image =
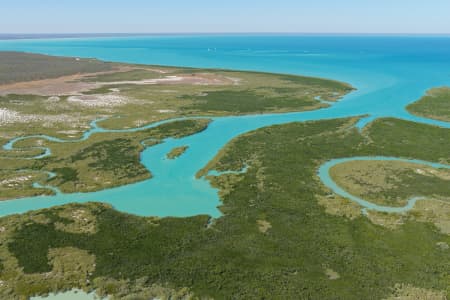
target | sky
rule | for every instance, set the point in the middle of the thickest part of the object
(188, 16)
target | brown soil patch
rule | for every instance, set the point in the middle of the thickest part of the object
(64, 85)
(264, 226)
(73, 84)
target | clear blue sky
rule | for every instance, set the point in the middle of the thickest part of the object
(347, 16)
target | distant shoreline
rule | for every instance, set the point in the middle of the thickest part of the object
(37, 36)
(24, 36)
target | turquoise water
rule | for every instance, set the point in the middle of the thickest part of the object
(389, 73)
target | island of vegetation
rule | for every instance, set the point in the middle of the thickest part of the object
(282, 234)
(434, 105)
(177, 152)
(392, 183)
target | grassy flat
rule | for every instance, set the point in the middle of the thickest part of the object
(391, 183)
(435, 105)
(18, 184)
(17, 67)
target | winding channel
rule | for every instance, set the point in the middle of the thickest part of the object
(324, 174)
(386, 79)
(94, 128)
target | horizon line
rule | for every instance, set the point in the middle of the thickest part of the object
(112, 34)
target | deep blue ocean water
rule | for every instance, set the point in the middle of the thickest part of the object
(388, 71)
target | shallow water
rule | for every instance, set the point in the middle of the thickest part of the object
(389, 72)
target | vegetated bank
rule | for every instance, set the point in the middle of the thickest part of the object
(434, 105)
(283, 235)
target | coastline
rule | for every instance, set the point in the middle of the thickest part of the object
(281, 196)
